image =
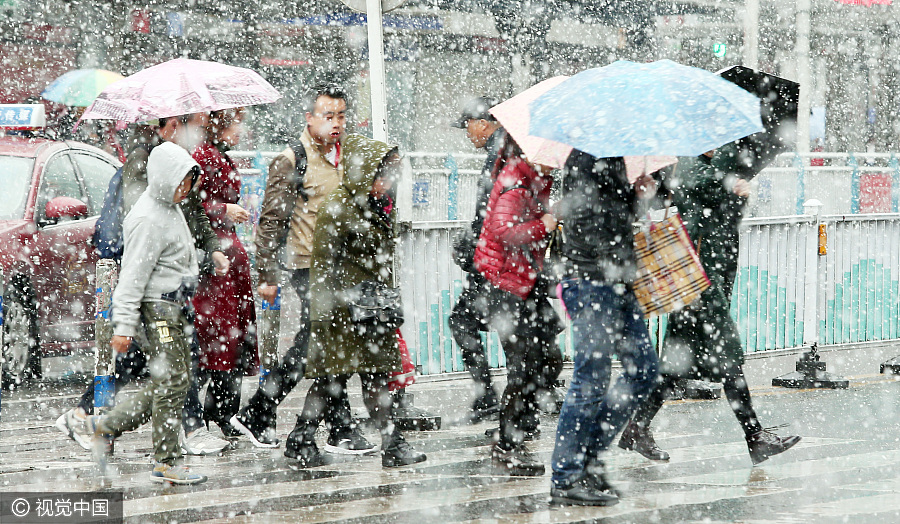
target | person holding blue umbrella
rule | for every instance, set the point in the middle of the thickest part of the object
(597, 211)
(623, 109)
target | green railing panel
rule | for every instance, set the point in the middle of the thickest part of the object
(435, 359)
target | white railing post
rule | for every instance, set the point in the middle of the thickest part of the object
(812, 277)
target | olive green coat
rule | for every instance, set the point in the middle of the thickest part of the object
(702, 340)
(351, 244)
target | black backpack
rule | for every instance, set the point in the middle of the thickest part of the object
(107, 238)
(300, 163)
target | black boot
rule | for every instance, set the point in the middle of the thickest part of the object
(639, 438)
(764, 444)
(484, 407)
(301, 445)
(398, 452)
(582, 493)
(516, 462)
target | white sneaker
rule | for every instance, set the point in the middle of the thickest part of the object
(202, 442)
(71, 423)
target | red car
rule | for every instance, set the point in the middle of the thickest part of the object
(52, 195)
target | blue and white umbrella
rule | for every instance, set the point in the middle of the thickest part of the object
(659, 108)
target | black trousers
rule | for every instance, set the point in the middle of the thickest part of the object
(467, 320)
(223, 395)
(284, 378)
(328, 390)
(527, 330)
(736, 391)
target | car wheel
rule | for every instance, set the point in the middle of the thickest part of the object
(21, 347)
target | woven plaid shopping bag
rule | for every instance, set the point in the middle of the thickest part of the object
(669, 273)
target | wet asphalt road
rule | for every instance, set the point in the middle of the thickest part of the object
(846, 469)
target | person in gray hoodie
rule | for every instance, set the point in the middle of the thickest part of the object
(158, 276)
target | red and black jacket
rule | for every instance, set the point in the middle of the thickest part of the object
(510, 250)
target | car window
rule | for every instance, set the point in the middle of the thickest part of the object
(58, 180)
(96, 173)
(15, 179)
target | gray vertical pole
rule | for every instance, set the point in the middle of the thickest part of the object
(104, 365)
(803, 75)
(376, 69)
(751, 34)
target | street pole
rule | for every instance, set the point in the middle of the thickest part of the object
(803, 75)
(376, 69)
(751, 34)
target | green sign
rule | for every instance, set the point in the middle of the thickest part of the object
(719, 49)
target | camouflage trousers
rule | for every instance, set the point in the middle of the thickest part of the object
(160, 401)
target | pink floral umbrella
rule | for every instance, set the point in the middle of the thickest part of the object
(515, 117)
(180, 87)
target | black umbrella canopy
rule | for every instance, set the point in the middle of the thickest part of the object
(779, 99)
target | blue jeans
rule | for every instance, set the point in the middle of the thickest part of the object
(606, 320)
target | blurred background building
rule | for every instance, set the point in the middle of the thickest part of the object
(440, 52)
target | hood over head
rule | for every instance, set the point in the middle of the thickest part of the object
(362, 156)
(166, 168)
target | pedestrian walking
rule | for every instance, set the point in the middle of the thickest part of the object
(510, 256)
(354, 245)
(470, 313)
(159, 276)
(132, 364)
(597, 210)
(299, 180)
(702, 340)
(225, 322)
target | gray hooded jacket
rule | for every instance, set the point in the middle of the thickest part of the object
(159, 250)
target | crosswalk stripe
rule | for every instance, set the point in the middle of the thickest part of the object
(799, 469)
(849, 507)
(632, 504)
(256, 493)
(385, 506)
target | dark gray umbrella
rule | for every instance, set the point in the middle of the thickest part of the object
(779, 99)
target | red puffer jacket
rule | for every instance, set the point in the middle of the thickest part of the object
(510, 250)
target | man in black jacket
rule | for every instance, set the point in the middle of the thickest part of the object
(468, 316)
(597, 211)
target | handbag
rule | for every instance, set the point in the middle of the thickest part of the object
(374, 303)
(669, 273)
(407, 374)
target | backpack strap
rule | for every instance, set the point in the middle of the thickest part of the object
(300, 164)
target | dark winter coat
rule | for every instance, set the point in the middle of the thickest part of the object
(598, 210)
(486, 181)
(225, 324)
(510, 250)
(702, 340)
(352, 243)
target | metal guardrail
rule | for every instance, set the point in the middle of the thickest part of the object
(786, 295)
(440, 186)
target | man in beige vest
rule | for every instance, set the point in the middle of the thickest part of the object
(284, 239)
